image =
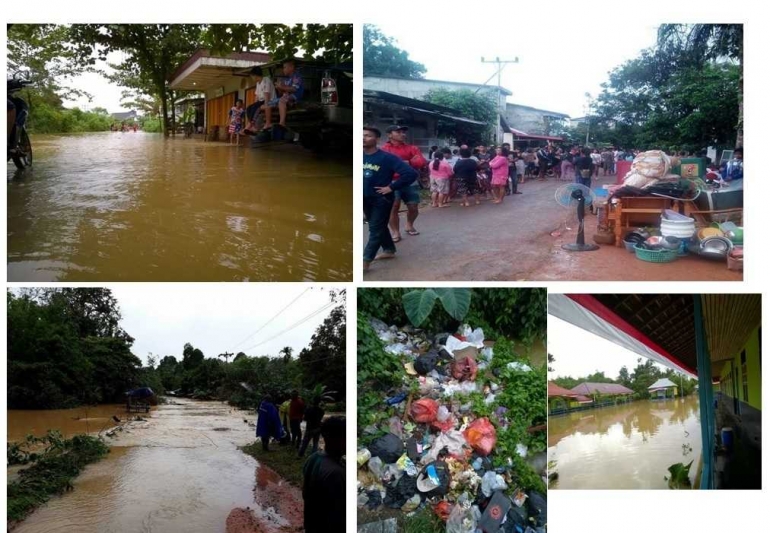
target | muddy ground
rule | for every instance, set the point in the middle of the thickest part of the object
(512, 242)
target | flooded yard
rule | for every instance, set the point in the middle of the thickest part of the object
(627, 446)
(180, 470)
(138, 207)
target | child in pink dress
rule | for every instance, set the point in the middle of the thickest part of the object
(440, 172)
(236, 122)
(499, 166)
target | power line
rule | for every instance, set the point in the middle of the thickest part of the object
(296, 324)
(269, 321)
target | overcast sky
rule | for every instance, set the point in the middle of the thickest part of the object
(558, 62)
(217, 317)
(578, 353)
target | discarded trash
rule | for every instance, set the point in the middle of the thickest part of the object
(425, 363)
(462, 520)
(464, 369)
(393, 400)
(495, 512)
(363, 457)
(424, 410)
(491, 482)
(481, 436)
(388, 448)
(375, 467)
(515, 365)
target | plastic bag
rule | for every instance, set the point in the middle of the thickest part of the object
(452, 440)
(476, 338)
(443, 509)
(425, 363)
(464, 369)
(388, 448)
(652, 164)
(461, 520)
(491, 482)
(515, 365)
(406, 464)
(363, 457)
(462, 388)
(424, 410)
(396, 426)
(443, 426)
(481, 436)
(443, 414)
(375, 466)
(411, 504)
(538, 508)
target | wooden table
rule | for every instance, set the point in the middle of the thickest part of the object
(644, 211)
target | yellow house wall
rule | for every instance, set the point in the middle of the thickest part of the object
(753, 371)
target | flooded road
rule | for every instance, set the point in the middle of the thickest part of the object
(178, 471)
(624, 447)
(137, 207)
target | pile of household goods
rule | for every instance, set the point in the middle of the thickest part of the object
(678, 236)
(651, 175)
(439, 441)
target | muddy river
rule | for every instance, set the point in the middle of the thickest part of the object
(136, 207)
(624, 447)
(178, 471)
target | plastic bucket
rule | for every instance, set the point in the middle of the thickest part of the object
(727, 439)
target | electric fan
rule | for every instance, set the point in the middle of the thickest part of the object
(577, 195)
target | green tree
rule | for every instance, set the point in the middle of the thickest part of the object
(710, 42)
(323, 361)
(383, 58)
(468, 104)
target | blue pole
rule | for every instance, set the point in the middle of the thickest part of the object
(705, 396)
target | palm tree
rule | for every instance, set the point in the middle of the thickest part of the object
(286, 351)
(707, 42)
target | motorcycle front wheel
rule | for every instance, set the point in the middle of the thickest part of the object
(23, 156)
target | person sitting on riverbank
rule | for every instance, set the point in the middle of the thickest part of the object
(236, 122)
(323, 489)
(268, 422)
(296, 412)
(313, 417)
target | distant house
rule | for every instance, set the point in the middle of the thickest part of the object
(536, 122)
(561, 399)
(603, 393)
(663, 388)
(128, 116)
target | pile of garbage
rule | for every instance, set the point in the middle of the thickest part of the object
(433, 451)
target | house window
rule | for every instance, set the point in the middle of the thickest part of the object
(745, 377)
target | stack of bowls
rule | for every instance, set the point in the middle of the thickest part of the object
(672, 224)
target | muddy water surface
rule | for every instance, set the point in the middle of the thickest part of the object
(178, 471)
(69, 422)
(624, 447)
(135, 206)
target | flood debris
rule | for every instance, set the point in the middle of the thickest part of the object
(435, 445)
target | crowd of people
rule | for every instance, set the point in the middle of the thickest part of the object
(393, 171)
(323, 488)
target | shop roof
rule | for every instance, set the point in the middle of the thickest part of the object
(600, 388)
(418, 106)
(203, 71)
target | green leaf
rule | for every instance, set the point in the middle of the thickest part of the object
(456, 302)
(418, 304)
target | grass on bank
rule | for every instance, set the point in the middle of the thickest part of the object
(52, 473)
(281, 458)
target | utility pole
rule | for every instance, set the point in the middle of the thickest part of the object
(226, 355)
(500, 66)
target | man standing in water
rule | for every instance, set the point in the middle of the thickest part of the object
(323, 489)
(410, 154)
(380, 169)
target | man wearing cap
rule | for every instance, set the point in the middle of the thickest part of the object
(409, 153)
(263, 92)
(380, 185)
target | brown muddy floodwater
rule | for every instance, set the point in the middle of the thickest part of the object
(624, 447)
(138, 207)
(178, 471)
(69, 422)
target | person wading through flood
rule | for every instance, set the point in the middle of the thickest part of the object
(380, 169)
(411, 154)
(323, 489)
(296, 412)
(313, 417)
(268, 422)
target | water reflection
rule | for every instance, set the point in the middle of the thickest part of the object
(625, 446)
(132, 207)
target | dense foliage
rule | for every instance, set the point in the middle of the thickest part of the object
(66, 347)
(383, 58)
(512, 313)
(52, 470)
(683, 94)
(469, 104)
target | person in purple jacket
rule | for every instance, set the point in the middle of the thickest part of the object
(268, 422)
